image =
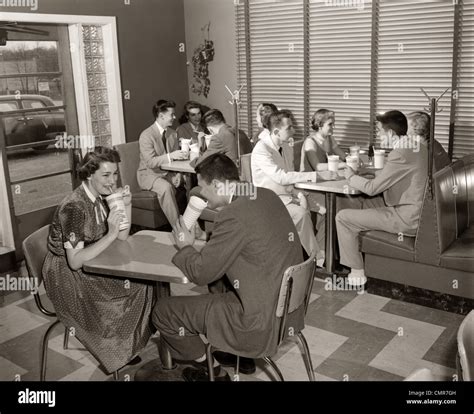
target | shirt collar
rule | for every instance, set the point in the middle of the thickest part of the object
(267, 139)
(91, 196)
(160, 128)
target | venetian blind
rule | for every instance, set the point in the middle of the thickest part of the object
(415, 49)
(340, 60)
(276, 58)
(464, 120)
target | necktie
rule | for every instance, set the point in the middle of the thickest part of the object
(163, 138)
(281, 151)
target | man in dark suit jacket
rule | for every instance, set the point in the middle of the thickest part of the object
(223, 138)
(159, 145)
(251, 251)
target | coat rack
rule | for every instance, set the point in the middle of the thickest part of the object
(432, 109)
(236, 102)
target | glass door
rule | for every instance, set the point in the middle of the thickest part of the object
(38, 118)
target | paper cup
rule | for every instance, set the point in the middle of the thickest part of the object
(333, 162)
(185, 145)
(354, 150)
(194, 209)
(379, 158)
(116, 200)
(353, 162)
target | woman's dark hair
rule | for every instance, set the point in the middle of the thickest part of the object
(91, 162)
(265, 110)
(162, 105)
(217, 167)
(187, 107)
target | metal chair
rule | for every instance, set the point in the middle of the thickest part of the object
(465, 360)
(293, 301)
(35, 248)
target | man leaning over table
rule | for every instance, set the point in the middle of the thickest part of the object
(398, 187)
(271, 170)
(249, 250)
(159, 145)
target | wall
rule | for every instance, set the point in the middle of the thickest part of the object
(149, 33)
(222, 70)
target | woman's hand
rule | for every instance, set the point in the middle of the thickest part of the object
(115, 216)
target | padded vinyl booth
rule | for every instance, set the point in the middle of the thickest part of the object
(146, 210)
(441, 256)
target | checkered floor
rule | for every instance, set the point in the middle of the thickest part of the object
(352, 337)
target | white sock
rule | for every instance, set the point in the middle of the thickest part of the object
(357, 273)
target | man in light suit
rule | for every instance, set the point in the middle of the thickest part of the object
(400, 187)
(241, 321)
(270, 169)
(223, 138)
(159, 145)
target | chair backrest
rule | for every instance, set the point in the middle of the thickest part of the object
(295, 290)
(128, 166)
(466, 347)
(35, 248)
(245, 168)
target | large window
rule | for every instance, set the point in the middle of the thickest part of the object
(359, 58)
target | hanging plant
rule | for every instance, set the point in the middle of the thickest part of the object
(203, 54)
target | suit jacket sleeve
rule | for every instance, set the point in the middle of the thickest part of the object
(265, 162)
(212, 262)
(149, 154)
(395, 169)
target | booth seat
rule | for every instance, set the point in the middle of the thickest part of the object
(441, 256)
(146, 210)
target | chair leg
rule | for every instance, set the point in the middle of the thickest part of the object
(210, 362)
(270, 362)
(306, 356)
(237, 368)
(116, 376)
(44, 350)
(66, 338)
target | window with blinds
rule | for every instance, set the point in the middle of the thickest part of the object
(464, 120)
(415, 49)
(339, 67)
(276, 56)
(358, 61)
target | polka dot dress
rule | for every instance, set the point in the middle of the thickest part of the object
(111, 317)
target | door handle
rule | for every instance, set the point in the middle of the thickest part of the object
(29, 118)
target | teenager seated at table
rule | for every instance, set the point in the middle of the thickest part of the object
(419, 127)
(316, 147)
(270, 169)
(109, 316)
(398, 189)
(264, 110)
(223, 139)
(321, 142)
(159, 145)
(190, 123)
(250, 245)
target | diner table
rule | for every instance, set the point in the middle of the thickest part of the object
(145, 256)
(330, 189)
(183, 166)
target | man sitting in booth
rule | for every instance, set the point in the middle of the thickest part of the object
(159, 145)
(223, 138)
(398, 187)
